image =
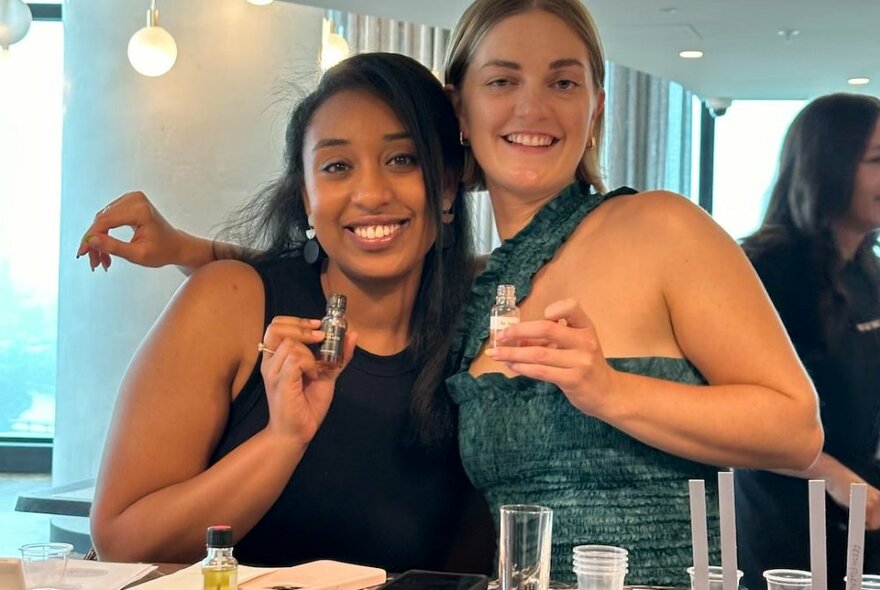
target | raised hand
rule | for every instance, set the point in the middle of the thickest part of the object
(298, 389)
(155, 242)
(562, 349)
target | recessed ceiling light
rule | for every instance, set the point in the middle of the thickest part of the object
(860, 81)
(690, 54)
(669, 10)
(788, 34)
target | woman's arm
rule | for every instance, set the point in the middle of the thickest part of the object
(155, 242)
(838, 478)
(760, 407)
(156, 493)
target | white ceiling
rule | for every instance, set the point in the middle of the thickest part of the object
(745, 56)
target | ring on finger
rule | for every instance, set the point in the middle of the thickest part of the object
(264, 349)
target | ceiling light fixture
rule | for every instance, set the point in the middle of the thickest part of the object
(788, 34)
(15, 22)
(858, 81)
(260, 2)
(152, 50)
(690, 54)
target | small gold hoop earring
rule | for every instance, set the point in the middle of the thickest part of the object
(592, 144)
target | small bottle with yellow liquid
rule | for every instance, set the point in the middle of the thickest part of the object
(219, 568)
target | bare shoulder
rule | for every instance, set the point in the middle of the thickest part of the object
(223, 283)
(658, 210)
(658, 218)
(222, 301)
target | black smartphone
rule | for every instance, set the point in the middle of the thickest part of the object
(425, 580)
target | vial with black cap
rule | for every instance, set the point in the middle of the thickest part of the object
(219, 568)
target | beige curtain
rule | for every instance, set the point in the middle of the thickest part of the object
(370, 33)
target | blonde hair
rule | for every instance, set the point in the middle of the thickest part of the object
(476, 22)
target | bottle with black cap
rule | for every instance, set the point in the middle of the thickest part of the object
(219, 568)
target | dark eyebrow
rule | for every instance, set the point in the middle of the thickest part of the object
(555, 65)
(330, 142)
(333, 141)
(396, 136)
(501, 63)
(566, 62)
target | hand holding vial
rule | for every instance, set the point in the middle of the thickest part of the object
(301, 360)
(562, 349)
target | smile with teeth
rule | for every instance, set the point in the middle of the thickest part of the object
(530, 139)
(376, 232)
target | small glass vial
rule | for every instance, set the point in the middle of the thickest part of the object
(333, 325)
(219, 568)
(504, 313)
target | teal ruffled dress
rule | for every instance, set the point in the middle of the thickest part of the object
(522, 442)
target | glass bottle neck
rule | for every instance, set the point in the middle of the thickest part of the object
(219, 552)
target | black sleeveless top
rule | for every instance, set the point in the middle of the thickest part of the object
(772, 518)
(362, 493)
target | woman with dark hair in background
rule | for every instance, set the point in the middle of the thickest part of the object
(210, 428)
(815, 252)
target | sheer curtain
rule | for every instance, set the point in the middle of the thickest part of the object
(648, 126)
(648, 121)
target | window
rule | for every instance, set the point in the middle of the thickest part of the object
(31, 75)
(747, 144)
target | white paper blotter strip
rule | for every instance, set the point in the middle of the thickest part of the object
(818, 554)
(699, 533)
(855, 543)
(727, 512)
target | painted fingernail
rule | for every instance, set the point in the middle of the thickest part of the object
(318, 333)
(491, 352)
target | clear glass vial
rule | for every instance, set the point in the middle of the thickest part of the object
(219, 568)
(504, 313)
(334, 324)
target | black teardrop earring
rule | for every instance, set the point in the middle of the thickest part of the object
(312, 250)
(446, 216)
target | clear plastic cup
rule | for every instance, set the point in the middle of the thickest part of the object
(600, 551)
(716, 577)
(592, 580)
(600, 567)
(869, 581)
(44, 565)
(783, 579)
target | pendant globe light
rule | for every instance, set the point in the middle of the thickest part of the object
(152, 50)
(15, 21)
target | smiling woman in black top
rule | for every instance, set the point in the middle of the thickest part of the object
(210, 429)
(815, 253)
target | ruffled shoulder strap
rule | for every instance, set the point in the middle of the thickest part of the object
(517, 260)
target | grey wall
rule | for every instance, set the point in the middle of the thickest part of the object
(198, 141)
